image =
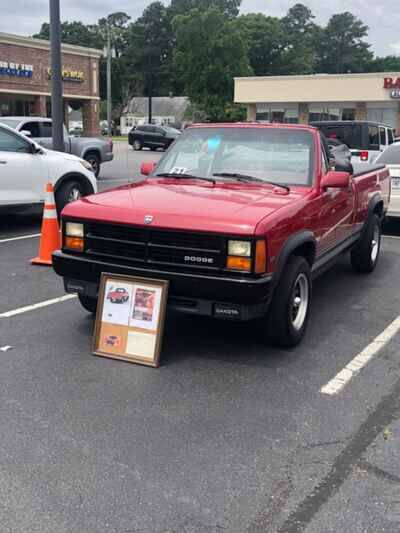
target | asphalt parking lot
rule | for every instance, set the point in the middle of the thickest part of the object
(228, 435)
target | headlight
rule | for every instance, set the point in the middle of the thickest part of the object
(86, 164)
(74, 229)
(239, 248)
(73, 236)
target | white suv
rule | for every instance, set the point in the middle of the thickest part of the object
(26, 167)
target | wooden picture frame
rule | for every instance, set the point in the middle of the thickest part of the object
(130, 318)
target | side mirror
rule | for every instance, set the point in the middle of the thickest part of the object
(27, 133)
(147, 168)
(336, 180)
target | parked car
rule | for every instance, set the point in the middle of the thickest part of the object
(391, 158)
(151, 136)
(118, 295)
(26, 167)
(366, 140)
(239, 218)
(95, 151)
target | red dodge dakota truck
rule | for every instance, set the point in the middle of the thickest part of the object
(238, 217)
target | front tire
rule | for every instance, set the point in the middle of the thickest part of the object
(289, 311)
(137, 145)
(67, 193)
(90, 304)
(365, 254)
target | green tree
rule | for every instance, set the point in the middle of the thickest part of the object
(299, 55)
(384, 64)
(265, 38)
(75, 33)
(229, 8)
(148, 58)
(342, 45)
(210, 51)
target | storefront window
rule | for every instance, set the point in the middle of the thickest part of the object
(348, 114)
(283, 115)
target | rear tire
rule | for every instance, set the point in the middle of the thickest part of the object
(69, 191)
(365, 254)
(289, 311)
(137, 145)
(90, 304)
(95, 161)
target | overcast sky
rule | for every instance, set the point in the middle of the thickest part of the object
(382, 16)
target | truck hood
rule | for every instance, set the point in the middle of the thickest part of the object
(223, 207)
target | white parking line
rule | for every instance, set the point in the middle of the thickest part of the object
(335, 385)
(20, 238)
(46, 303)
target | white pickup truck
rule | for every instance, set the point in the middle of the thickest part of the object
(94, 150)
(26, 167)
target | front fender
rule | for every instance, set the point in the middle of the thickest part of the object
(304, 239)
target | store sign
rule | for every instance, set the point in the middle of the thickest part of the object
(19, 70)
(395, 93)
(70, 75)
(391, 83)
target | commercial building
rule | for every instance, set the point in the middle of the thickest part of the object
(302, 99)
(166, 110)
(25, 84)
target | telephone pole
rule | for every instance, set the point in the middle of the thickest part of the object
(56, 77)
(109, 96)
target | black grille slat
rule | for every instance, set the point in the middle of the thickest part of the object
(155, 246)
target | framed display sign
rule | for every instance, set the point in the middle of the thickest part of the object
(130, 318)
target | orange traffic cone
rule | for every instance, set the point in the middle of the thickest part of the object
(50, 238)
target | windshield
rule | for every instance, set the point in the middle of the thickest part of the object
(391, 156)
(10, 122)
(282, 155)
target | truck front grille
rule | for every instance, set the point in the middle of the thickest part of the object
(155, 247)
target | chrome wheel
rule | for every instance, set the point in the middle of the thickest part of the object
(74, 195)
(299, 301)
(375, 243)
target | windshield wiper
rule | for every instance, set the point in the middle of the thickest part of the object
(245, 177)
(182, 175)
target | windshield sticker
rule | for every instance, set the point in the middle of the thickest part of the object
(178, 170)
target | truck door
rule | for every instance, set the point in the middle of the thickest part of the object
(46, 136)
(336, 213)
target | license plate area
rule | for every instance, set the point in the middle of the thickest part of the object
(396, 182)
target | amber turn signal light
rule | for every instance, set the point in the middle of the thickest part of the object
(261, 257)
(238, 263)
(74, 243)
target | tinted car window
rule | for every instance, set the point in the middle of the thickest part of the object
(349, 134)
(32, 127)
(47, 130)
(390, 136)
(12, 143)
(382, 136)
(391, 156)
(373, 136)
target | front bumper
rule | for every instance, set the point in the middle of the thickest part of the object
(222, 297)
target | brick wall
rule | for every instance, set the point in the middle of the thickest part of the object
(40, 59)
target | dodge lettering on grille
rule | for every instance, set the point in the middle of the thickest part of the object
(195, 259)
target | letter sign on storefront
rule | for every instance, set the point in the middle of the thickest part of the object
(70, 75)
(391, 83)
(19, 70)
